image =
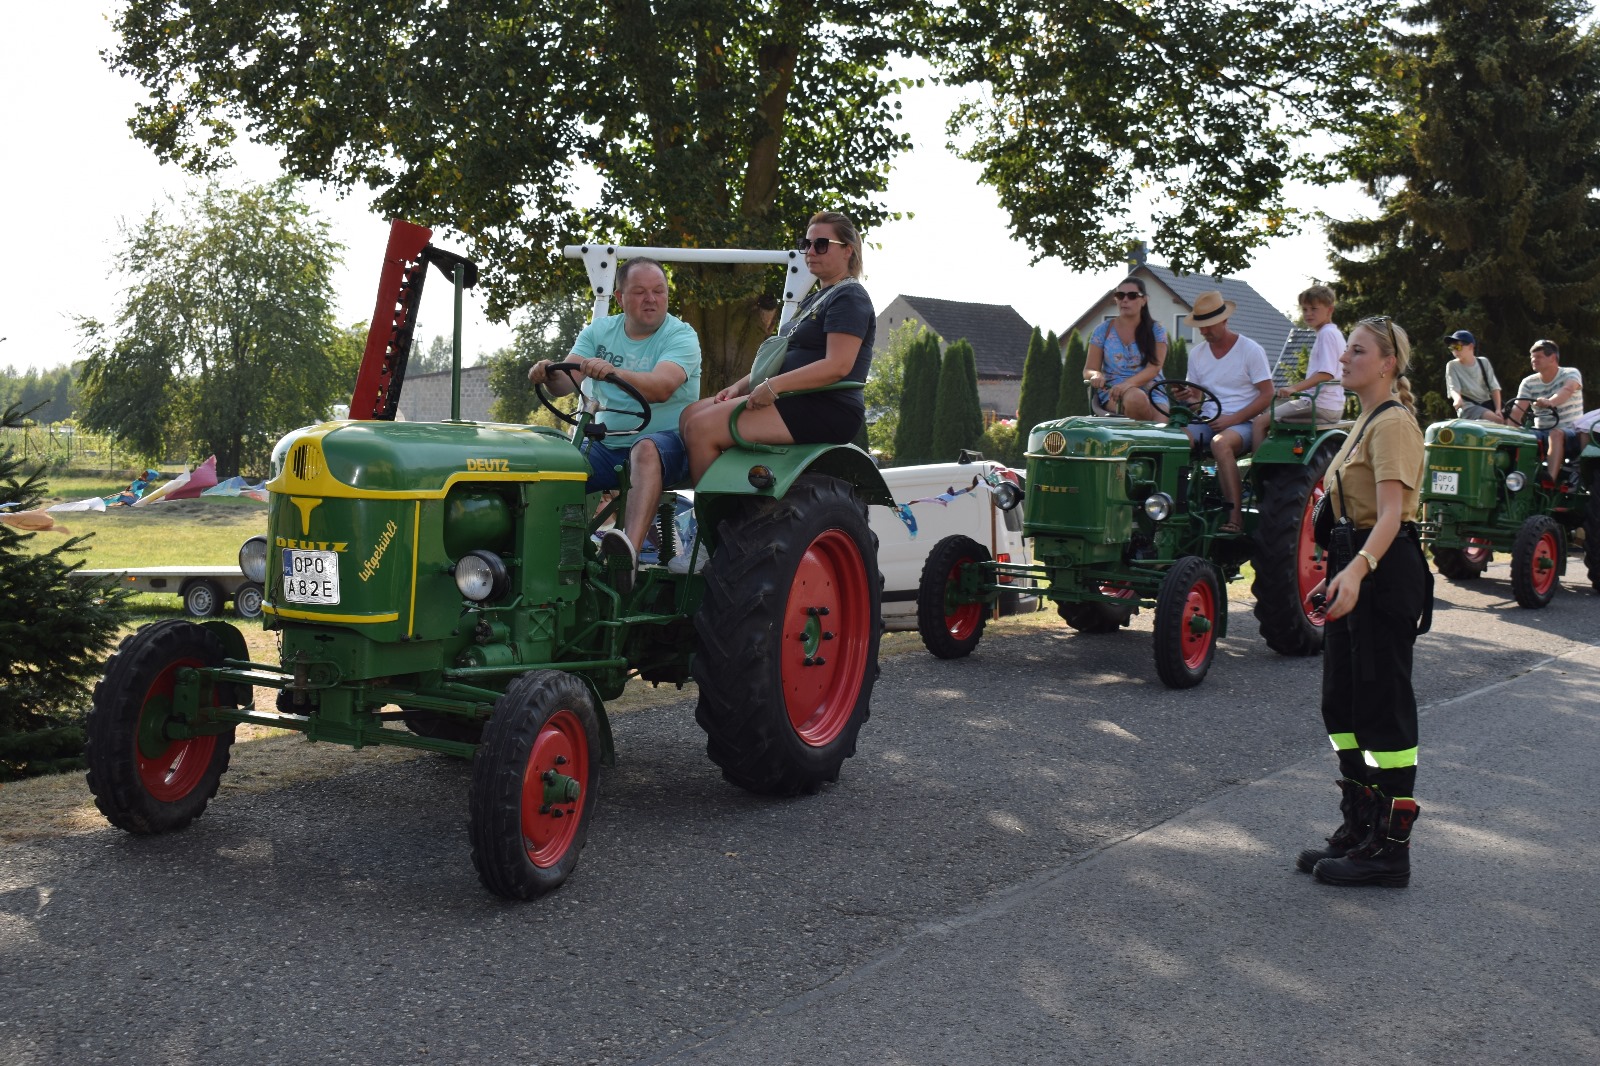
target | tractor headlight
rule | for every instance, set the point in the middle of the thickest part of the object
(1007, 496)
(1158, 506)
(480, 576)
(1515, 480)
(253, 559)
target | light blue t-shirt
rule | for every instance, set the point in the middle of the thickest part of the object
(675, 342)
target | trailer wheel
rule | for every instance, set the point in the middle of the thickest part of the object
(1463, 564)
(1538, 556)
(1187, 609)
(533, 788)
(950, 630)
(247, 600)
(437, 726)
(788, 635)
(142, 781)
(201, 598)
(1288, 563)
(1096, 617)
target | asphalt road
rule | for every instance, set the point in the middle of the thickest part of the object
(1039, 855)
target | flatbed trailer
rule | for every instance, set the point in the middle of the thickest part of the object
(204, 588)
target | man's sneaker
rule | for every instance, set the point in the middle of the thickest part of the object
(615, 542)
(679, 564)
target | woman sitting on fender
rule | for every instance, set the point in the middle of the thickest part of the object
(1376, 605)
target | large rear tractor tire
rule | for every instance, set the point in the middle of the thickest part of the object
(788, 635)
(1100, 617)
(1288, 563)
(142, 781)
(534, 784)
(950, 630)
(1187, 610)
(1591, 532)
(1538, 556)
(1462, 564)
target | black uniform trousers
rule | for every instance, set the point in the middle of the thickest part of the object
(1368, 705)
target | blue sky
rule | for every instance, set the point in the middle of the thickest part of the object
(72, 172)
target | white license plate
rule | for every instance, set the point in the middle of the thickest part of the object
(1446, 484)
(310, 576)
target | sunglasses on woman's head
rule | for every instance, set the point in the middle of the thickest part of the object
(820, 245)
(1121, 295)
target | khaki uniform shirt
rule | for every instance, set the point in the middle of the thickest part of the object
(1390, 450)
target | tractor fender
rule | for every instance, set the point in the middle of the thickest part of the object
(1295, 449)
(233, 644)
(729, 478)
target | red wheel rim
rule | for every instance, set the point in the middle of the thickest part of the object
(961, 619)
(1477, 552)
(182, 764)
(826, 633)
(562, 749)
(1310, 565)
(1195, 639)
(1544, 564)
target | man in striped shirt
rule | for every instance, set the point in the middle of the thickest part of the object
(1555, 395)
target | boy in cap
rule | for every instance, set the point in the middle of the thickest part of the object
(1470, 380)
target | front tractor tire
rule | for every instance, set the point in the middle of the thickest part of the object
(1462, 564)
(1538, 556)
(1188, 609)
(143, 781)
(1100, 617)
(950, 630)
(533, 785)
(788, 633)
(1287, 561)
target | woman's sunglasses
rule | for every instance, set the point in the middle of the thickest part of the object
(1134, 295)
(820, 245)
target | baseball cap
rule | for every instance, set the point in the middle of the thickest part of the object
(1461, 336)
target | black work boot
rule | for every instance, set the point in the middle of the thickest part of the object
(1357, 805)
(1384, 857)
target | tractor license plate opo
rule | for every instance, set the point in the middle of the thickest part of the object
(1446, 484)
(310, 576)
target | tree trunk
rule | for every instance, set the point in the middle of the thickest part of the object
(730, 332)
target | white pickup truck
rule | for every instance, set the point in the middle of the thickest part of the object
(942, 498)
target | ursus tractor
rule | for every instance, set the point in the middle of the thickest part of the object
(1482, 493)
(437, 586)
(1126, 514)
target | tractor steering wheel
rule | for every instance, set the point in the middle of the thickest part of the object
(577, 420)
(1530, 413)
(1197, 412)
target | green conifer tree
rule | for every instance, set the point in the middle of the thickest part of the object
(1074, 396)
(1482, 161)
(958, 414)
(913, 438)
(1176, 366)
(1041, 384)
(53, 635)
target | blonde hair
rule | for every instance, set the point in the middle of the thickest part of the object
(1318, 294)
(846, 231)
(1392, 340)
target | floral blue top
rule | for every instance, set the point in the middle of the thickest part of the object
(1121, 361)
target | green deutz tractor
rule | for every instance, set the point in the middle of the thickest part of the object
(1127, 514)
(436, 586)
(1482, 494)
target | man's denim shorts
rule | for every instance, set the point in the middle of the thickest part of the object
(604, 460)
(1203, 434)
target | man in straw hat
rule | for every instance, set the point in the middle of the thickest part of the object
(1234, 368)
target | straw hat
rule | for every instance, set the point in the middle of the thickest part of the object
(1211, 309)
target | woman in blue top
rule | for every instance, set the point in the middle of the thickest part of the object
(1125, 355)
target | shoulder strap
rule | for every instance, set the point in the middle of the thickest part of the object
(821, 305)
(1483, 373)
(1361, 431)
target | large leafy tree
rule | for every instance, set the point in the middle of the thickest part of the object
(1483, 163)
(717, 123)
(547, 331)
(1193, 114)
(225, 336)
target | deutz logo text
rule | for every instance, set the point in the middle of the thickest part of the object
(312, 545)
(489, 465)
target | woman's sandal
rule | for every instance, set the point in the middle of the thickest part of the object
(1230, 526)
